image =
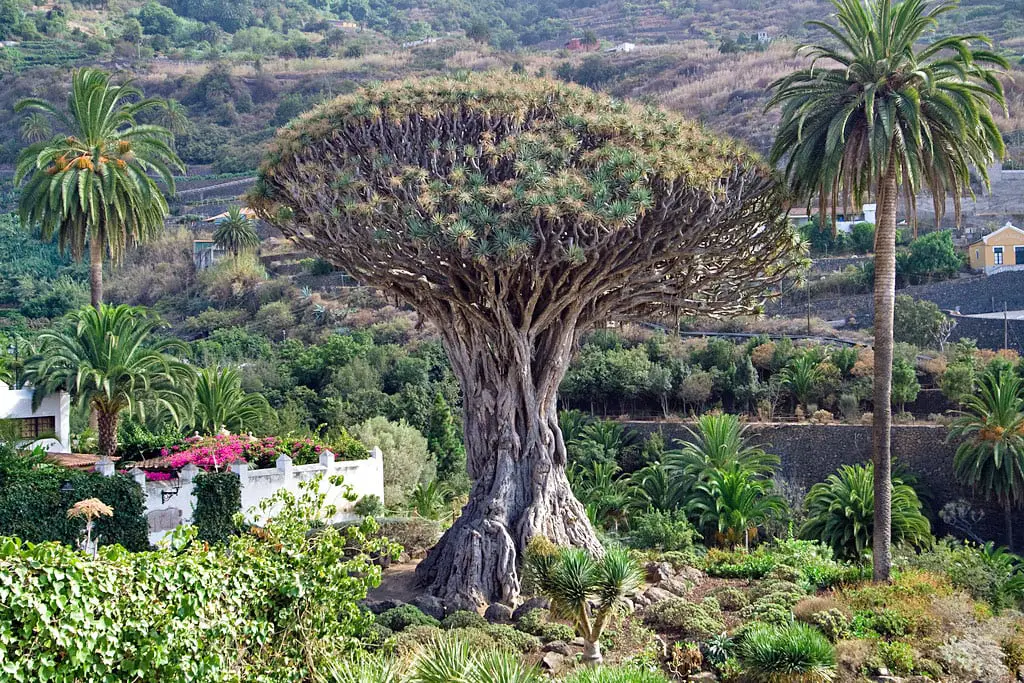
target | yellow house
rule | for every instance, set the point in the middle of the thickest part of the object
(1001, 249)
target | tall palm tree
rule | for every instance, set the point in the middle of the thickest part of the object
(108, 359)
(990, 457)
(236, 233)
(719, 441)
(174, 117)
(586, 590)
(92, 185)
(220, 401)
(36, 127)
(878, 111)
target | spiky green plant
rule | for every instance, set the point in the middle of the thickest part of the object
(428, 500)
(616, 674)
(795, 654)
(841, 511)
(236, 233)
(887, 105)
(365, 668)
(734, 502)
(110, 360)
(450, 660)
(718, 442)
(219, 401)
(990, 429)
(94, 185)
(588, 591)
(802, 377)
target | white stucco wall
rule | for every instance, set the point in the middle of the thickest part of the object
(17, 403)
(365, 477)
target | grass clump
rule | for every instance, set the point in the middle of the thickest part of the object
(794, 654)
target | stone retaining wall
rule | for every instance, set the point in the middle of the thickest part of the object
(809, 453)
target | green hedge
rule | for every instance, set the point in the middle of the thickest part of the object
(218, 498)
(33, 508)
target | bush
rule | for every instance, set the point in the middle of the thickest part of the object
(463, 619)
(532, 620)
(665, 531)
(407, 461)
(616, 674)
(402, 617)
(34, 509)
(739, 564)
(730, 598)
(415, 534)
(369, 506)
(218, 499)
(691, 620)
(797, 652)
(509, 638)
(552, 631)
(896, 656)
(273, 607)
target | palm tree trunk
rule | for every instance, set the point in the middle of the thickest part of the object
(1008, 518)
(107, 433)
(885, 293)
(96, 271)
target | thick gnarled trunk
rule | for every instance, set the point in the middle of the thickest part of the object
(884, 298)
(516, 460)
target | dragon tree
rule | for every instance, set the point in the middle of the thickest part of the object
(515, 215)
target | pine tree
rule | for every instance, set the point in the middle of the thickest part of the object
(445, 442)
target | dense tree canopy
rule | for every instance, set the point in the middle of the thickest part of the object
(516, 214)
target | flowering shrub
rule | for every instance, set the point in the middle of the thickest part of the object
(218, 452)
(159, 476)
(208, 452)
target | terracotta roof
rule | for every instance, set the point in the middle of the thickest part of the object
(77, 461)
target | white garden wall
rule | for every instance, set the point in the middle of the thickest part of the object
(172, 503)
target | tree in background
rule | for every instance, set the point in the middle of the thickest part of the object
(444, 442)
(990, 455)
(219, 401)
(36, 127)
(918, 322)
(236, 233)
(891, 111)
(93, 184)
(515, 215)
(905, 386)
(109, 360)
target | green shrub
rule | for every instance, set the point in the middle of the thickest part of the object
(887, 623)
(509, 638)
(794, 653)
(272, 607)
(402, 617)
(218, 499)
(696, 621)
(369, 506)
(33, 507)
(616, 674)
(532, 620)
(463, 619)
(833, 623)
(407, 461)
(730, 598)
(898, 657)
(987, 572)
(739, 564)
(665, 531)
(552, 631)
(415, 534)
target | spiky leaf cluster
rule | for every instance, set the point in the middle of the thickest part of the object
(527, 193)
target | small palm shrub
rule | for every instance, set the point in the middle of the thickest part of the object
(794, 654)
(588, 591)
(841, 512)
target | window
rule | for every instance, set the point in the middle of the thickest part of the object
(977, 255)
(33, 428)
(997, 253)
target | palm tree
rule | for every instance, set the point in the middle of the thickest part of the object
(734, 502)
(841, 512)
(718, 442)
(990, 457)
(108, 359)
(882, 110)
(36, 127)
(93, 185)
(235, 233)
(174, 117)
(802, 377)
(586, 590)
(220, 401)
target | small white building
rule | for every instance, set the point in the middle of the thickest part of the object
(622, 47)
(48, 426)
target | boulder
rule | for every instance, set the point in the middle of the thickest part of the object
(378, 606)
(702, 677)
(498, 613)
(430, 605)
(553, 662)
(692, 574)
(655, 594)
(676, 586)
(529, 604)
(659, 571)
(559, 646)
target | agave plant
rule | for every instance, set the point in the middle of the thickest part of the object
(796, 654)
(588, 591)
(841, 512)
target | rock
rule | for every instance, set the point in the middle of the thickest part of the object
(560, 647)
(531, 603)
(640, 600)
(659, 571)
(553, 662)
(883, 671)
(498, 613)
(692, 574)
(430, 605)
(378, 606)
(577, 642)
(676, 586)
(655, 594)
(702, 677)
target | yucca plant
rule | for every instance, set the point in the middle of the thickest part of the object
(110, 360)
(795, 654)
(362, 669)
(93, 184)
(450, 660)
(585, 589)
(841, 512)
(990, 456)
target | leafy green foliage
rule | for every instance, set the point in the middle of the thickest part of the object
(841, 512)
(407, 461)
(404, 616)
(797, 652)
(666, 531)
(220, 402)
(917, 322)
(272, 606)
(218, 500)
(689, 619)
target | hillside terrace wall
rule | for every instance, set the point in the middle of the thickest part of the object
(809, 453)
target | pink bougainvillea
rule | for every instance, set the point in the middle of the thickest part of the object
(159, 476)
(219, 452)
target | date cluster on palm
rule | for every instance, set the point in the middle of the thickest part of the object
(516, 214)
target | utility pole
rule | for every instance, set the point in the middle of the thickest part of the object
(807, 288)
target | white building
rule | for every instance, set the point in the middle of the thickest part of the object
(622, 47)
(48, 426)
